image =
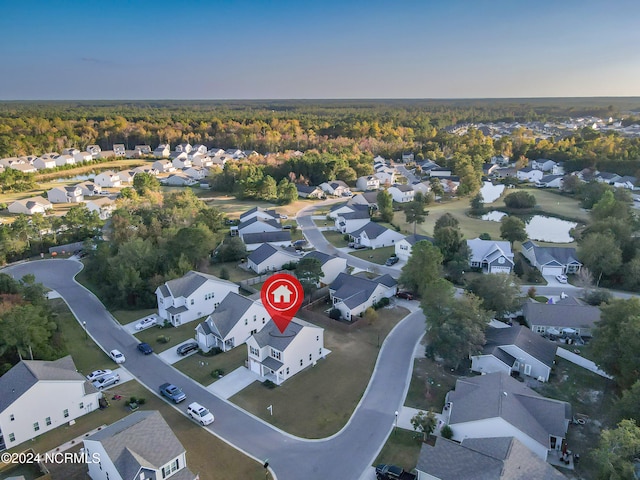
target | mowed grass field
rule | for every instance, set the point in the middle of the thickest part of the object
(318, 401)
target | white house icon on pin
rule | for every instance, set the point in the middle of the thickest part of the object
(282, 294)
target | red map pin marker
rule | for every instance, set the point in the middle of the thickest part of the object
(282, 296)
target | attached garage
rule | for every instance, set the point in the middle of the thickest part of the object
(495, 269)
(551, 270)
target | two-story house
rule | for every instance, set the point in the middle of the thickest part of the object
(140, 446)
(108, 179)
(232, 323)
(278, 356)
(368, 182)
(402, 193)
(404, 246)
(71, 194)
(332, 266)
(162, 151)
(190, 297)
(38, 396)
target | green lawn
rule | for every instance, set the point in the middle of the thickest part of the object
(402, 448)
(236, 274)
(335, 238)
(225, 463)
(430, 383)
(324, 223)
(318, 401)
(176, 335)
(379, 255)
(128, 316)
(199, 366)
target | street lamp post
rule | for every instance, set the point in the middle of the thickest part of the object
(86, 334)
(395, 427)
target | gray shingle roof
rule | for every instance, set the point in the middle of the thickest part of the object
(271, 336)
(413, 239)
(499, 395)
(523, 338)
(228, 313)
(320, 256)
(266, 237)
(501, 458)
(261, 253)
(372, 229)
(562, 315)
(27, 373)
(189, 283)
(271, 213)
(562, 255)
(272, 363)
(358, 214)
(266, 224)
(354, 291)
(140, 440)
(404, 188)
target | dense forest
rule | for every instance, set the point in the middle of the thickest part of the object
(381, 127)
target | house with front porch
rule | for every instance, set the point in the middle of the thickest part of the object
(498, 405)
(257, 225)
(191, 296)
(279, 356)
(515, 350)
(309, 191)
(490, 256)
(232, 323)
(551, 260)
(572, 317)
(405, 245)
(374, 235)
(357, 217)
(352, 295)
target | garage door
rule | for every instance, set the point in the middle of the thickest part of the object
(500, 269)
(552, 271)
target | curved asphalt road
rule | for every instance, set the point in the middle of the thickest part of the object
(345, 455)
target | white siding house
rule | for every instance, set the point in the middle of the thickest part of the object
(278, 356)
(267, 258)
(104, 206)
(232, 323)
(108, 179)
(29, 206)
(38, 396)
(65, 195)
(138, 447)
(368, 182)
(491, 256)
(331, 266)
(190, 297)
(529, 174)
(402, 193)
(405, 245)
(374, 235)
(353, 295)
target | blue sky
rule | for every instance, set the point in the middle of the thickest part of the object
(309, 49)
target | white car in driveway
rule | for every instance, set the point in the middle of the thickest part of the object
(147, 322)
(116, 356)
(96, 374)
(106, 381)
(561, 278)
(200, 414)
